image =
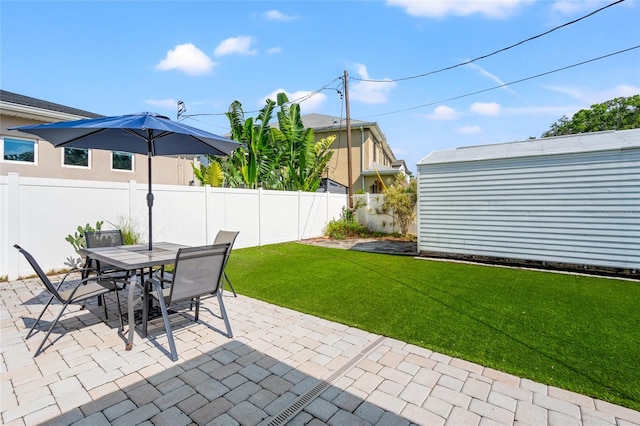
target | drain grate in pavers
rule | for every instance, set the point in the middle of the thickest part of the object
(305, 399)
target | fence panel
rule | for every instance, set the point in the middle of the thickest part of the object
(278, 216)
(314, 208)
(39, 213)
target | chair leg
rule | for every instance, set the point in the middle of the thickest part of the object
(197, 315)
(53, 324)
(104, 305)
(39, 317)
(226, 278)
(119, 309)
(131, 302)
(223, 312)
(165, 318)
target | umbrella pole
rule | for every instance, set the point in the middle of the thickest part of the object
(150, 200)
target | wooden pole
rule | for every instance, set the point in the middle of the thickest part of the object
(346, 102)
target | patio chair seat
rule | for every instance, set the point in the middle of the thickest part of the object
(89, 290)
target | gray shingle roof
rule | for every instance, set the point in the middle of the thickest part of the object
(15, 98)
(321, 121)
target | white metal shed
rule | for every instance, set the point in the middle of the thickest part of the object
(564, 200)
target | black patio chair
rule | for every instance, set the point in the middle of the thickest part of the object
(197, 275)
(86, 288)
(224, 237)
(109, 238)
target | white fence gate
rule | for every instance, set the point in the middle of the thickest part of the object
(39, 213)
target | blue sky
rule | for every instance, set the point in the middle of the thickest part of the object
(121, 57)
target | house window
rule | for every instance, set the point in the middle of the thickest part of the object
(76, 157)
(122, 161)
(19, 150)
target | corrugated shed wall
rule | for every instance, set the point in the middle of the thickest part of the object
(581, 208)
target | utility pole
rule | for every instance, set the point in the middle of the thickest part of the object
(346, 106)
(182, 108)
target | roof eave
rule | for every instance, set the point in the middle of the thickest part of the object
(37, 114)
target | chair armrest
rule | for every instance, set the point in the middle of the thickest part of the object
(158, 277)
(86, 280)
(74, 270)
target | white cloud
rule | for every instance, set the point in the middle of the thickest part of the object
(188, 59)
(590, 97)
(162, 103)
(276, 15)
(370, 92)
(469, 130)
(490, 76)
(557, 111)
(618, 91)
(442, 8)
(309, 101)
(485, 108)
(570, 7)
(443, 113)
(274, 50)
(240, 45)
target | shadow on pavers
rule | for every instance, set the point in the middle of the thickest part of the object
(233, 384)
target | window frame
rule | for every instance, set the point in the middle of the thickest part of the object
(75, 166)
(17, 139)
(133, 162)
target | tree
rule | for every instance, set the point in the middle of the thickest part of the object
(302, 159)
(286, 157)
(616, 114)
(256, 163)
(400, 201)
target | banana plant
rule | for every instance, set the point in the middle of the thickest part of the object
(304, 159)
(256, 163)
(211, 174)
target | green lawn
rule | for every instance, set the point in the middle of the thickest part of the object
(574, 332)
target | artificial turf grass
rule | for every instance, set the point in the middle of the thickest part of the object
(574, 332)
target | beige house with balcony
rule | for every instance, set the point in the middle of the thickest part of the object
(29, 156)
(372, 160)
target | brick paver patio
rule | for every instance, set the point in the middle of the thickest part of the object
(281, 367)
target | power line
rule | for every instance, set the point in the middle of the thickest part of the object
(493, 53)
(298, 100)
(510, 83)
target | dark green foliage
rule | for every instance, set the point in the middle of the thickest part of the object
(345, 227)
(617, 114)
(286, 157)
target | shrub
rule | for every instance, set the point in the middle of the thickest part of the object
(400, 201)
(346, 227)
(130, 232)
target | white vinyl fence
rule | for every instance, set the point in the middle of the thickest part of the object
(39, 213)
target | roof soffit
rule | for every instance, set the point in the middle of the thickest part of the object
(36, 114)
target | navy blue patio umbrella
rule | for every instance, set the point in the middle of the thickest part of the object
(143, 133)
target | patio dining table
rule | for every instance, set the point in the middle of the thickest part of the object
(137, 259)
